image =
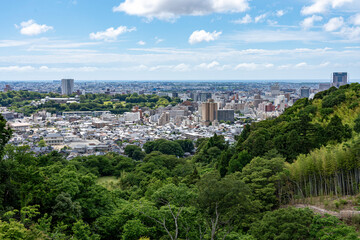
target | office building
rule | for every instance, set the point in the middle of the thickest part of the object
(209, 111)
(200, 97)
(225, 115)
(164, 119)
(67, 86)
(339, 79)
(257, 100)
(305, 92)
(174, 94)
(275, 90)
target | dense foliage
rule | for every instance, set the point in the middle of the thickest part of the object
(221, 192)
(307, 125)
(20, 101)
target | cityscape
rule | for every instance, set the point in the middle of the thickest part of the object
(180, 120)
(204, 109)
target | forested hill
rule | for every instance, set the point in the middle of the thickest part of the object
(309, 124)
(221, 192)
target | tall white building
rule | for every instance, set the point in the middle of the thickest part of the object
(67, 86)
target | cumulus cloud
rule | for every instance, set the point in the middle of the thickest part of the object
(245, 20)
(202, 35)
(111, 34)
(253, 66)
(31, 28)
(208, 65)
(182, 67)
(171, 9)
(280, 13)
(334, 24)
(301, 65)
(355, 19)
(321, 6)
(309, 22)
(260, 18)
(141, 43)
(352, 33)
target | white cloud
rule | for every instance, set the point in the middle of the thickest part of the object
(182, 67)
(141, 43)
(276, 36)
(351, 33)
(158, 40)
(280, 13)
(246, 66)
(253, 66)
(202, 35)
(16, 69)
(171, 9)
(245, 20)
(208, 65)
(260, 18)
(111, 34)
(12, 43)
(309, 22)
(301, 65)
(334, 24)
(31, 28)
(355, 19)
(321, 6)
(272, 22)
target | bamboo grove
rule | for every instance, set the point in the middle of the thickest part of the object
(330, 170)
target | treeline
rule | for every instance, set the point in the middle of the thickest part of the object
(117, 104)
(160, 197)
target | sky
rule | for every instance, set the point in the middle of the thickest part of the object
(179, 39)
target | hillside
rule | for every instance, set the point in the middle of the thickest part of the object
(222, 192)
(309, 124)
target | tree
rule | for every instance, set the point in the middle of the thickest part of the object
(239, 161)
(171, 148)
(138, 155)
(5, 134)
(42, 143)
(357, 124)
(186, 145)
(284, 224)
(331, 228)
(82, 231)
(224, 203)
(130, 149)
(170, 209)
(65, 209)
(261, 176)
(336, 131)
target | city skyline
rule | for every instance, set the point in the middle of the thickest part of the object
(303, 40)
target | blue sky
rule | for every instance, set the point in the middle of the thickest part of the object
(179, 39)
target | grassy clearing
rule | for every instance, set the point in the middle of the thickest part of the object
(109, 182)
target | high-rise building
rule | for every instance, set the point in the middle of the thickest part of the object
(67, 86)
(203, 97)
(226, 115)
(257, 100)
(339, 79)
(305, 92)
(209, 111)
(275, 90)
(164, 119)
